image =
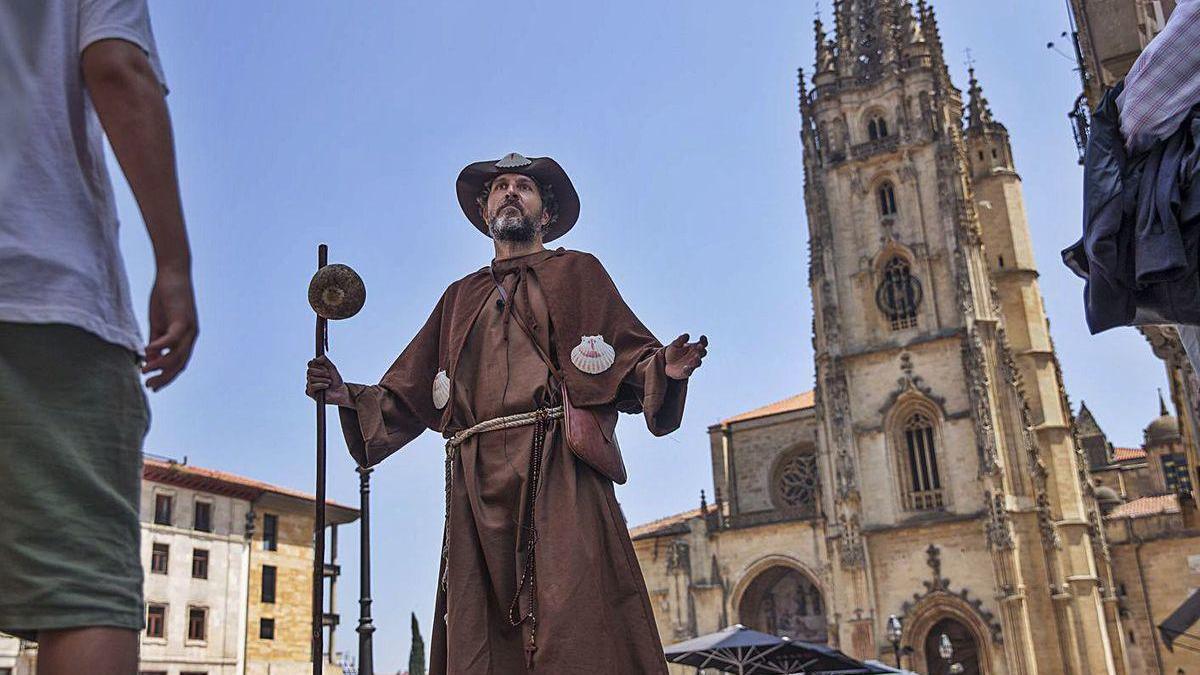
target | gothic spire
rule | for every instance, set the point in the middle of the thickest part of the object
(929, 28)
(825, 59)
(979, 115)
(1162, 405)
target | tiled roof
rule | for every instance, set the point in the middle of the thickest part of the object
(798, 402)
(1146, 506)
(1128, 454)
(676, 524)
(223, 482)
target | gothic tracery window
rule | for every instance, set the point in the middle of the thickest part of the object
(899, 294)
(919, 464)
(797, 485)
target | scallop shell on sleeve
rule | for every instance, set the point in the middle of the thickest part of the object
(441, 390)
(593, 355)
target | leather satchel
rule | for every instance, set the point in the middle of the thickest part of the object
(591, 432)
(591, 435)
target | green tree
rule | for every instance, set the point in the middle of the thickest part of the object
(416, 658)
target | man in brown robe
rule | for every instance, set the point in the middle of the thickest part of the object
(538, 572)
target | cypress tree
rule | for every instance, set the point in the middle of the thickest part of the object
(416, 657)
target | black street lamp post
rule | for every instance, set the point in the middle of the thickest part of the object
(895, 634)
(366, 659)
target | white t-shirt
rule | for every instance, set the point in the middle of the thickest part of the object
(59, 256)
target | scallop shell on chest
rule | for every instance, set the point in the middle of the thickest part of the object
(441, 389)
(593, 355)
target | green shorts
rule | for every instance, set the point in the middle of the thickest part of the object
(72, 420)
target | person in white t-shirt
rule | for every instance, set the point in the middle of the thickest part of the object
(72, 410)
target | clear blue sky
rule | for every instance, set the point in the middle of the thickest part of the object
(301, 122)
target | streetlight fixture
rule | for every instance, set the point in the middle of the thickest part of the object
(895, 631)
(946, 651)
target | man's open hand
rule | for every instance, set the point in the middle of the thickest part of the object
(684, 357)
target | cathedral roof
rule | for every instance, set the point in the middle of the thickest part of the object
(1128, 454)
(800, 401)
(676, 524)
(1146, 507)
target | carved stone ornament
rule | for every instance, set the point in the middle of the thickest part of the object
(1046, 524)
(837, 401)
(910, 383)
(998, 526)
(975, 368)
(940, 586)
(851, 553)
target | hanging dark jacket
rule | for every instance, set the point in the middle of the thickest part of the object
(1141, 226)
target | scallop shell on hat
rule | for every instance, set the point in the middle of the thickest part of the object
(593, 355)
(441, 390)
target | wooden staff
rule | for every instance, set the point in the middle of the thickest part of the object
(318, 589)
(335, 292)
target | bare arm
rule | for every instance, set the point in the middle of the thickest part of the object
(129, 101)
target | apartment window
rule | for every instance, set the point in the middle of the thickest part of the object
(270, 532)
(202, 517)
(924, 484)
(156, 620)
(159, 557)
(163, 505)
(266, 629)
(1175, 473)
(268, 583)
(197, 618)
(200, 564)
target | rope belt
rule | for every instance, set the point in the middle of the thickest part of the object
(508, 422)
(539, 418)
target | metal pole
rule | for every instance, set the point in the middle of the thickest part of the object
(318, 580)
(366, 659)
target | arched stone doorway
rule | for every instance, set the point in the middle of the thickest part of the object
(966, 649)
(784, 601)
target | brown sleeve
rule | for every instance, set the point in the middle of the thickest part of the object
(378, 424)
(388, 415)
(661, 398)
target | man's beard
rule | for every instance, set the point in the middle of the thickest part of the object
(518, 229)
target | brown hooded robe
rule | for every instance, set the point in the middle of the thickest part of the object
(593, 613)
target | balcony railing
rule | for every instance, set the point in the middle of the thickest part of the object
(756, 518)
(923, 500)
(878, 146)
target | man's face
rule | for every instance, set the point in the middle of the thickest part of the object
(514, 209)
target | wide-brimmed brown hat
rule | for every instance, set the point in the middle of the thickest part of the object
(542, 169)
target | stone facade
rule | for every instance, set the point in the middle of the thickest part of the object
(287, 651)
(215, 587)
(953, 491)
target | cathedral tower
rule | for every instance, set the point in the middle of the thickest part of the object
(945, 438)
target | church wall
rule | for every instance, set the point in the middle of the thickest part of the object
(1170, 570)
(873, 386)
(757, 445)
(900, 569)
(678, 596)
